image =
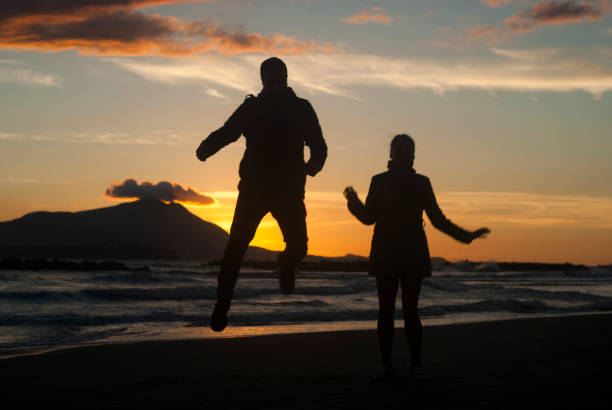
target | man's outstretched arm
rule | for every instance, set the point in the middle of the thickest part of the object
(315, 141)
(228, 133)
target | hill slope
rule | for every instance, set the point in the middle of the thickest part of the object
(144, 229)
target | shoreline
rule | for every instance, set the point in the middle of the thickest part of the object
(241, 332)
(524, 363)
(554, 362)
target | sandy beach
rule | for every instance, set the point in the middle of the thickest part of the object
(557, 362)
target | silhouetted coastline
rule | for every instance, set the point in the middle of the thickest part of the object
(64, 265)
(536, 266)
(313, 265)
(330, 265)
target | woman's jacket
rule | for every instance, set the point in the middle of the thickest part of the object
(395, 203)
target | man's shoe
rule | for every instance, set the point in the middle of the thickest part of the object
(218, 320)
(286, 280)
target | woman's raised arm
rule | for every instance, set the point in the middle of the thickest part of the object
(440, 221)
(365, 213)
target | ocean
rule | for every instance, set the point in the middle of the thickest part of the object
(40, 310)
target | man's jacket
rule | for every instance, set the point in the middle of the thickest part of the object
(276, 126)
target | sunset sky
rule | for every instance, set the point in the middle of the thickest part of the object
(508, 101)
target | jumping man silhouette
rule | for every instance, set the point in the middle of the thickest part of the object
(276, 125)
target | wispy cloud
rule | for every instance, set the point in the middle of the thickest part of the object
(108, 137)
(10, 72)
(231, 73)
(496, 209)
(346, 75)
(153, 138)
(215, 93)
(528, 209)
(529, 54)
(9, 135)
(118, 27)
(10, 61)
(369, 15)
(12, 180)
(15, 180)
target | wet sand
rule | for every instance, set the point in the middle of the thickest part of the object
(544, 363)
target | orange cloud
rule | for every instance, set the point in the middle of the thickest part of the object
(218, 38)
(114, 27)
(491, 34)
(369, 15)
(495, 3)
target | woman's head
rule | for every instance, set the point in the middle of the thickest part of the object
(402, 148)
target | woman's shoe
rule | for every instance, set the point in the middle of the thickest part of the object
(385, 372)
(417, 370)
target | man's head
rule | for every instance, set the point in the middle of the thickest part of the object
(273, 74)
(402, 148)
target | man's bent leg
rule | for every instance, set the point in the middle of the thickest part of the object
(291, 216)
(248, 214)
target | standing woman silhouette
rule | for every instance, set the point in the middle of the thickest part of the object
(399, 254)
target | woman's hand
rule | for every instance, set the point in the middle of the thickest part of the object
(350, 194)
(480, 233)
(202, 152)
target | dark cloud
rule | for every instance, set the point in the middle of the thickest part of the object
(117, 27)
(68, 8)
(92, 26)
(123, 26)
(164, 191)
(562, 11)
(555, 12)
(540, 14)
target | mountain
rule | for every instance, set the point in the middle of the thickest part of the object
(144, 229)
